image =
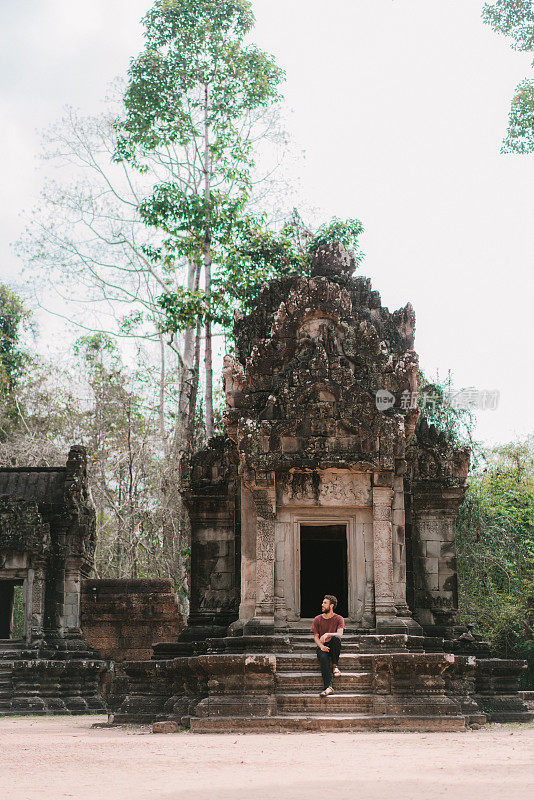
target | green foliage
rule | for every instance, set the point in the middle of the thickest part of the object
(249, 255)
(520, 134)
(344, 231)
(196, 77)
(515, 19)
(435, 402)
(17, 630)
(13, 358)
(182, 309)
(184, 218)
(495, 542)
(256, 255)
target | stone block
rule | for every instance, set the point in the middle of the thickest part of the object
(433, 549)
(429, 530)
(398, 484)
(431, 566)
(169, 726)
(432, 581)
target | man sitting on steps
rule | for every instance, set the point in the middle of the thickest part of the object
(327, 629)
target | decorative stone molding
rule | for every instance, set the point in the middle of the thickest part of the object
(329, 488)
(263, 488)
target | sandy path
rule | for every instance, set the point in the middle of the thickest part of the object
(60, 757)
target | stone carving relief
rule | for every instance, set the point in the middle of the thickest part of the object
(327, 488)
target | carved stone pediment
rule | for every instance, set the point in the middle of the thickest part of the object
(330, 487)
(301, 391)
(22, 528)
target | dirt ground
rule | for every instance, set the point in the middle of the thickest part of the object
(51, 758)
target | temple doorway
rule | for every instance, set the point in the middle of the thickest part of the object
(11, 609)
(323, 568)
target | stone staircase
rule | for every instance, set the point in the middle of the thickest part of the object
(10, 649)
(298, 682)
(13, 649)
(6, 692)
(33, 685)
(272, 683)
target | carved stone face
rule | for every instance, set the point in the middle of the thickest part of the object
(324, 332)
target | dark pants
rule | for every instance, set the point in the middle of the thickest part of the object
(326, 660)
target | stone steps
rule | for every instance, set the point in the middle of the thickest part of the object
(11, 649)
(347, 681)
(324, 722)
(307, 662)
(356, 643)
(353, 648)
(308, 702)
(6, 689)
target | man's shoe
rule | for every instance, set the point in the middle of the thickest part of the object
(336, 672)
(327, 692)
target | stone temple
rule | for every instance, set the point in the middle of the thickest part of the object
(47, 541)
(327, 481)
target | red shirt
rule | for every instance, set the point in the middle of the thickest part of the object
(321, 625)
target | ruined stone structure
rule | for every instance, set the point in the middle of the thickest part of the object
(47, 540)
(326, 482)
(121, 619)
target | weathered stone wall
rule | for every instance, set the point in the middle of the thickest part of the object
(437, 473)
(121, 619)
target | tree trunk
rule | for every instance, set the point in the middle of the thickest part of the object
(188, 373)
(207, 271)
(194, 390)
(161, 404)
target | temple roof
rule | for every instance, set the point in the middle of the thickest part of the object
(42, 485)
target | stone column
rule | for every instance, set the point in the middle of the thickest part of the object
(264, 495)
(404, 613)
(247, 605)
(35, 598)
(385, 611)
(70, 620)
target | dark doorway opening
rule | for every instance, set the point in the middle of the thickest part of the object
(323, 568)
(11, 609)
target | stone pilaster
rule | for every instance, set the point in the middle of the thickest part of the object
(35, 599)
(383, 561)
(387, 615)
(263, 490)
(435, 512)
(70, 617)
(399, 559)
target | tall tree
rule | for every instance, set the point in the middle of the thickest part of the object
(193, 95)
(88, 244)
(515, 19)
(13, 357)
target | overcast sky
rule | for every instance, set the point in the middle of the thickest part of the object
(400, 107)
